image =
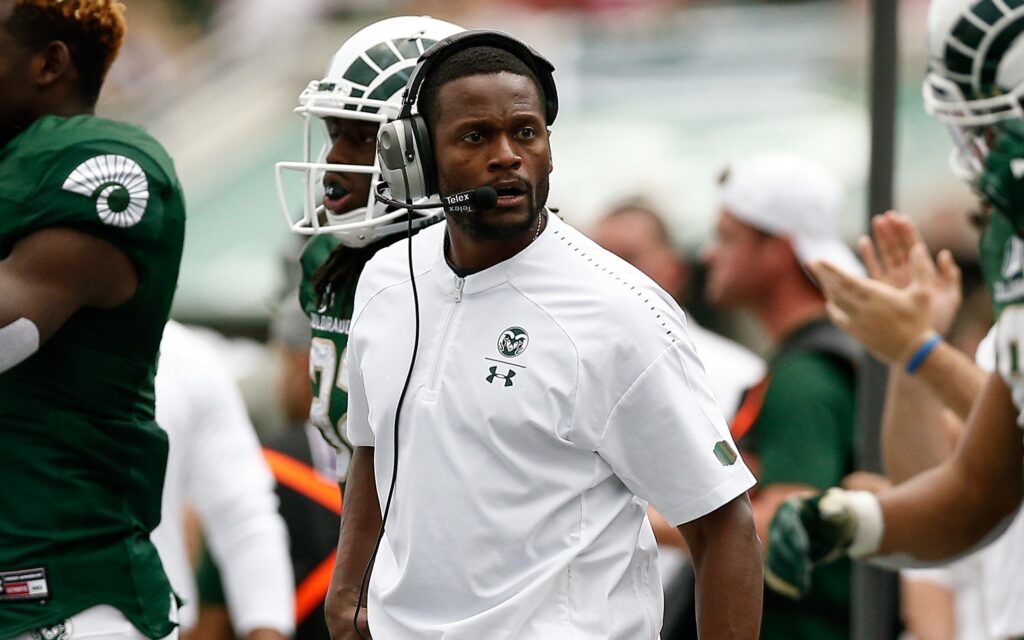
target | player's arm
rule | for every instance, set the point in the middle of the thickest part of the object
(896, 314)
(916, 427)
(48, 276)
(936, 515)
(949, 509)
(953, 377)
(360, 525)
(928, 608)
(727, 561)
(895, 323)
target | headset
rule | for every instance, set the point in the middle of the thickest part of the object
(407, 166)
(403, 145)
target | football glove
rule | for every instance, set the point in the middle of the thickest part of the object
(1002, 182)
(805, 532)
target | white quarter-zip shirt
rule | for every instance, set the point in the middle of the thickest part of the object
(554, 395)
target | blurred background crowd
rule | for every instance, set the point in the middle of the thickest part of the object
(659, 96)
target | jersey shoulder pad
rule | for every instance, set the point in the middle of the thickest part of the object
(106, 177)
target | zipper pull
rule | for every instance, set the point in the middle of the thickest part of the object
(459, 283)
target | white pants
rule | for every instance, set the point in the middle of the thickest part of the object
(99, 622)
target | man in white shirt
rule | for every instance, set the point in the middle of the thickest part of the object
(215, 466)
(555, 391)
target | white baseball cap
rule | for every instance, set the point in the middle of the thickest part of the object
(790, 196)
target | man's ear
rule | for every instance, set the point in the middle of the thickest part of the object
(51, 64)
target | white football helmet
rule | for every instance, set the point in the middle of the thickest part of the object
(364, 81)
(976, 72)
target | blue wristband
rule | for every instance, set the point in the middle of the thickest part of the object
(915, 362)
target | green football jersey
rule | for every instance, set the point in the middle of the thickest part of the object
(329, 318)
(1002, 263)
(82, 461)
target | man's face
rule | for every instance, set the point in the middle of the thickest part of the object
(736, 269)
(490, 130)
(634, 236)
(16, 87)
(352, 142)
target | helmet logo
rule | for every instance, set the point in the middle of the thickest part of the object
(513, 341)
(117, 184)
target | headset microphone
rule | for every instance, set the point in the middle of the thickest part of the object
(479, 199)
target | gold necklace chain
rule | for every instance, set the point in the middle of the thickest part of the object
(540, 222)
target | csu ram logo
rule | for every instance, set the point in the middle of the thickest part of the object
(513, 341)
(117, 185)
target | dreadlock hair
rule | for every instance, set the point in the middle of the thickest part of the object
(345, 264)
(473, 61)
(93, 31)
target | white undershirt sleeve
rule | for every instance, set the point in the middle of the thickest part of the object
(232, 489)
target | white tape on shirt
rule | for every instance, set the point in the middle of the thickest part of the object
(18, 341)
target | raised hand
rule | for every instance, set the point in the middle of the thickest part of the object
(888, 259)
(892, 323)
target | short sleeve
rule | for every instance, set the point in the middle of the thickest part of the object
(804, 432)
(111, 190)
(111, 183)
(357, 421)
(667, 441)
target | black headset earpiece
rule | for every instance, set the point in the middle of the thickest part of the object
(406, 154)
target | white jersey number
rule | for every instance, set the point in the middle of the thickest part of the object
(1009, 334)
(324, 370)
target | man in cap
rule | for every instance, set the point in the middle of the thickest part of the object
(795, 428)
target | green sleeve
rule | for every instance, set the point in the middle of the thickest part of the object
(805, 427)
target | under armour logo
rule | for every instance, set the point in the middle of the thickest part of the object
(507, 377)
